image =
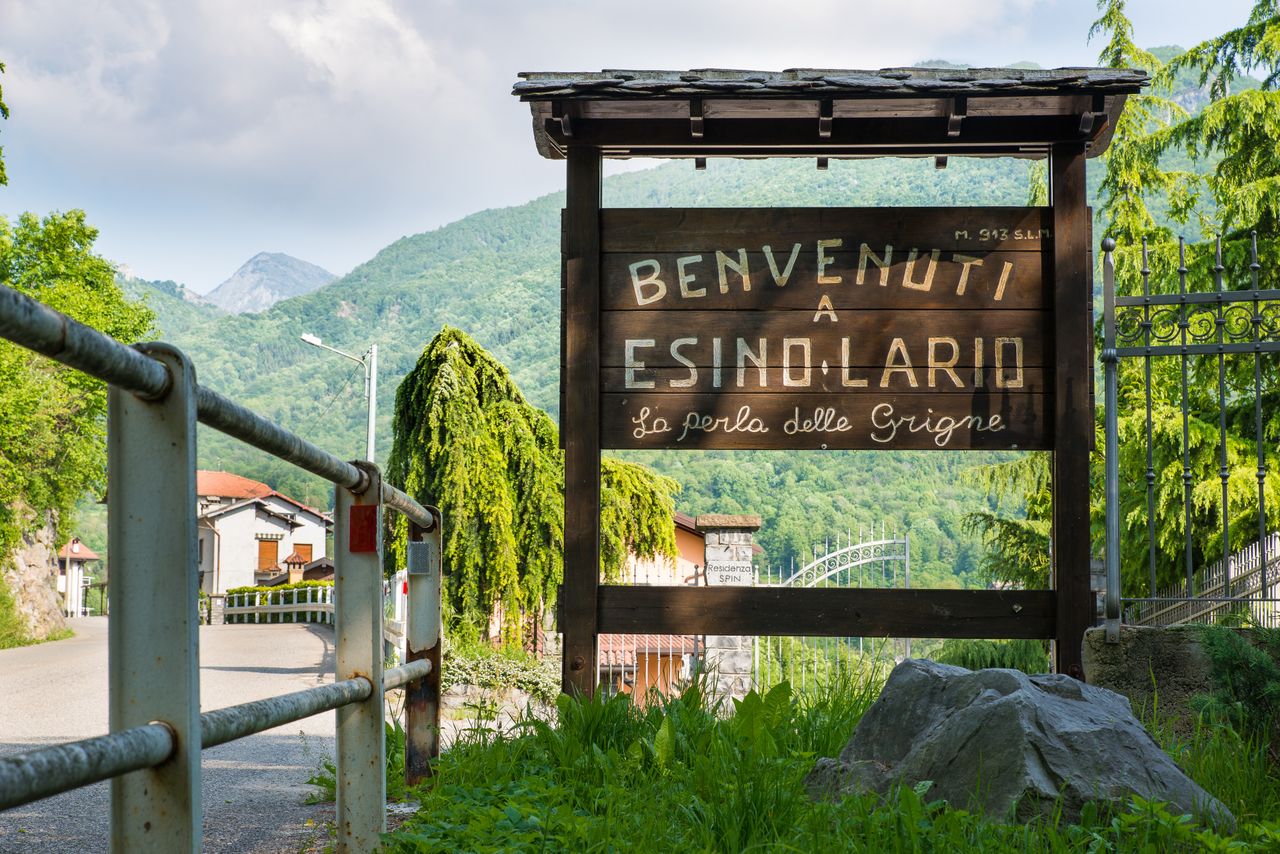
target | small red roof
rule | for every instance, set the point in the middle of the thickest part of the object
(621, 650)
(295, 558)
(227, 485)
(76, 550)
(224, 484)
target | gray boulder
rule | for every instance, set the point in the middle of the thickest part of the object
(1008, 745)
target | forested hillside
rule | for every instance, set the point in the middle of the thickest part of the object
(495, 275)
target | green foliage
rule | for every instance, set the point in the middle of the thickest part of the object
(637, 512)
(1017, 538)
(1234, 134)
(325, 778)
(179, 311)
(51, 418)
(494, 672)
(1029, 656)
(611, 776)
(1134, 172)
(4, 114)
(466, 440)
(13, 629)
(52, 432)
(278, 590)
(1246, 681)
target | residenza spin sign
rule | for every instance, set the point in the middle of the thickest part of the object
(860, 328)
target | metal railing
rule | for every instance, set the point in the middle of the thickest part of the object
(152, 753)
(1211, 345)
(1245, 571)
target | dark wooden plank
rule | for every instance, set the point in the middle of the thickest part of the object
(580, 420)
(1035, 380)
(910, 132)
(995, 420)
(870, 336)
(786, 276)
(827, 611)
(1072, 413)
(953, 229)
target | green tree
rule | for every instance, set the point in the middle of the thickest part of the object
(51, 418)
(465, 440)
(4, 114)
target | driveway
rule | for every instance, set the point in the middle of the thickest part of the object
(253, 788)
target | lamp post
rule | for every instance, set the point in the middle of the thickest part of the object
(370, 362)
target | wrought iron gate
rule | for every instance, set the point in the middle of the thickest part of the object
(1214, 345)
(811, 662)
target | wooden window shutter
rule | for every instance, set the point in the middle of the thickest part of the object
(268, 553)
(304, 551)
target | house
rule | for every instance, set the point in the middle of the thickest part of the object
(249, 533)
(72, 577)
(636, 664)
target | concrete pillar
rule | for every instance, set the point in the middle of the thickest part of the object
(727, 560)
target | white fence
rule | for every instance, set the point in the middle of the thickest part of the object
(298, 605)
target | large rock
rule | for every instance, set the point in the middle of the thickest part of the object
(1007, 744)
(30, 572)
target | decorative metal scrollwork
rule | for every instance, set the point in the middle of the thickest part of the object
(1234, 322)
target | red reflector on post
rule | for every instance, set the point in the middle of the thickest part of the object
(405, 590)
(364, 528)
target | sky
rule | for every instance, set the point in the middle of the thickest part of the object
(197, 133)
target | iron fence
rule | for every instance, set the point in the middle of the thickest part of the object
(1197, 357)
(152, 753)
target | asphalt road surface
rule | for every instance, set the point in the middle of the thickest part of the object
(253, 788)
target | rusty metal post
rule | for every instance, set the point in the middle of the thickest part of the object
(423, 640)
(154, 662)
(361, 810)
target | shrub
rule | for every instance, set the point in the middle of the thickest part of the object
(497, 672)
(1029, 656)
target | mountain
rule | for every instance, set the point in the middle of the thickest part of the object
(495, 274)
(178, 309)
(264, 280)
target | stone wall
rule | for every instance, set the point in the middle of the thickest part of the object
(30, 573)
(1160, 669)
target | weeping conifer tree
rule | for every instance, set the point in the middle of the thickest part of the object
(465, 440)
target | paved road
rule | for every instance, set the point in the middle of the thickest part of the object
(253, 788)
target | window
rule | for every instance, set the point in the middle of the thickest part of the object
(304, 551)
(268, 554)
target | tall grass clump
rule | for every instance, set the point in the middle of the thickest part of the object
(672, 775)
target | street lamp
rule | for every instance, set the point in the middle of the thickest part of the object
(370, 362)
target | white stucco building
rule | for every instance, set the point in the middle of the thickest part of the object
(72, 576)
(251, 534)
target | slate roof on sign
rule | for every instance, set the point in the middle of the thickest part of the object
(805, 82)
(979, 112)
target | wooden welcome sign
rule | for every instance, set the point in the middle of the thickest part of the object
(857, 328)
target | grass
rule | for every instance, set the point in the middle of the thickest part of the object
(611, 776)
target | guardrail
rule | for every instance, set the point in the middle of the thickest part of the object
(152, 753)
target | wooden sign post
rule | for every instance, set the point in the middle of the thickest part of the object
(831, 328)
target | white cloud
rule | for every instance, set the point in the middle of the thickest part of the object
(197, 132)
